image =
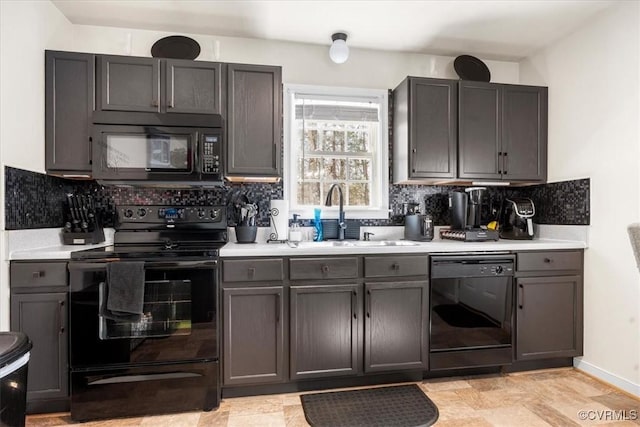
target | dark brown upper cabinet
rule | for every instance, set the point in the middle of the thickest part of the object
(425, 129)
(254, 121)
(193, 86)
(69, 104)
(160, 85)
(129, 84)
(502, 132)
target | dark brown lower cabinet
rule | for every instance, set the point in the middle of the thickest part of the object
(43, 317)
(324, 330)
(254, 330)
(549, 317)
(396, 320)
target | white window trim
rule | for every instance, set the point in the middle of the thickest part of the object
(290, 166)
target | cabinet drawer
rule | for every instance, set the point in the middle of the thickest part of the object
(396, 266)
(550, 261)
(33, 274)
(252, 270)
(323, 268)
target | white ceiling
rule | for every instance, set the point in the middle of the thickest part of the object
(492, 29)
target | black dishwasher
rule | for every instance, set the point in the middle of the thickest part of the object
(471, 310)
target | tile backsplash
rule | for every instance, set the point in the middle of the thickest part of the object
(35, 200)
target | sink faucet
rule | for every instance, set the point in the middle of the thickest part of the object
(341, 224)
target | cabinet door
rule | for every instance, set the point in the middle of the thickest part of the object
(69, 104)
(254, 120)
(396, 316)
(43, 317)
(479, 130)
(193, 87)
(549, 317)
(433, 134)
(324, 330)
(129, 84)
(524, 133)
(254, 349)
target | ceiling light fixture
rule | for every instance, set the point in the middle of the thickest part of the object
(339, 51)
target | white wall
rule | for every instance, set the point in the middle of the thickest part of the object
(594, 96)
(30, 27)
(26, 29)
(301, 63)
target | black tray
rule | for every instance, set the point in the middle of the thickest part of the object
(176, 47)
(471, 68)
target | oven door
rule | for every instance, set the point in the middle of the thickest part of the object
(179, 321)
(144, 153)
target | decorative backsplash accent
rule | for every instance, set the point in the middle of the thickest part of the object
(35, 200)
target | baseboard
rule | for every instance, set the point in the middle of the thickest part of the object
(607, 377)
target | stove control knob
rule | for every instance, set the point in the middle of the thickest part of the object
(128, 213)
(201, 213)
(499, 269)
(142, 212)
(214, 213)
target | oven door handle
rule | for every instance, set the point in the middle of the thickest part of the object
(145, 377)
(99, 265)
(181, 264)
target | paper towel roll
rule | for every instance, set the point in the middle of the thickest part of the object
(279, 216)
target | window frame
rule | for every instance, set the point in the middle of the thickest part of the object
(380, 171)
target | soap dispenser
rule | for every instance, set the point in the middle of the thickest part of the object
(295, 232)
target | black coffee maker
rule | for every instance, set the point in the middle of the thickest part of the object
(466, 207)
(516, 218)
(466, 224)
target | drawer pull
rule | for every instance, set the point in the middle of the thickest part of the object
(395, 266)
(325, 269)
(252, 272)
(38, 274)
(548, 260)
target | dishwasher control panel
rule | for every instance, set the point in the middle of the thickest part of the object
(460, 267)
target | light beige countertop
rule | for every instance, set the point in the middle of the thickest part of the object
(392, 247)
(46, 243)
(388, 240)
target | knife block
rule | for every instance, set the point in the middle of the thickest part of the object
(89, 238)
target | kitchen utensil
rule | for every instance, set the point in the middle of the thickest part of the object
(176, 47)
(410, 208)
(471, 68)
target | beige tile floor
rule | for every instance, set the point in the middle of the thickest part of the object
(537, 398)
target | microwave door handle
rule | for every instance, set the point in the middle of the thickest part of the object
(196, 154)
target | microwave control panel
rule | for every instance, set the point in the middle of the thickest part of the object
(211, 153)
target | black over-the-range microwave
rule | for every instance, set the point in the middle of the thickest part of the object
(140, 148)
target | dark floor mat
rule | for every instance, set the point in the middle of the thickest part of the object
(400, 406)
(461, 317)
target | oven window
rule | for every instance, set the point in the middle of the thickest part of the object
(146, 151)
(166, 312)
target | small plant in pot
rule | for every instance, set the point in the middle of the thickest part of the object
(243, 215)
